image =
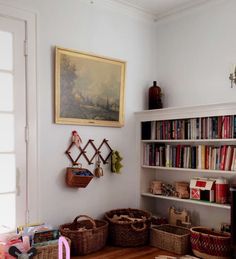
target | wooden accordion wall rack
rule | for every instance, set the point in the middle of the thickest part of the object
(82, 152)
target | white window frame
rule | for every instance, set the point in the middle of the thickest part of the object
(32, 177)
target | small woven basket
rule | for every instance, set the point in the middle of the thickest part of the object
(49, 251)
(171, 238)
(73, 179)
(86, 236)
(128, 234)
(208, 244)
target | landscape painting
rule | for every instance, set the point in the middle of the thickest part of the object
(89, 89)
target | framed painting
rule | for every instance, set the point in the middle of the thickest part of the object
(89, 89)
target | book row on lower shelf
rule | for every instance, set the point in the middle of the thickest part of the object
(202, 189)
(217, 127)
(194, 157)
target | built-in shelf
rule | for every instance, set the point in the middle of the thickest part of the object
(192, 141)
(190, 170)
(149, 153)
(223, 206)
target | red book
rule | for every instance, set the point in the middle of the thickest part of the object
(230, 127)
(176, 130)
(233, 159)
(219, 127)
(223, 156)
(226, 126)
(223, 127)
(178, 160)
(169, 130)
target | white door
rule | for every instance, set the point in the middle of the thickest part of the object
(13, 148)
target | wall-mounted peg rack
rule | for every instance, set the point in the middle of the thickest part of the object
(82, 151)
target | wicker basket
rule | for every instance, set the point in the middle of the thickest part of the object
(86, 236)
(171, 238)
(210, 244)
(129, 234)
(74, 177)
(49, 251)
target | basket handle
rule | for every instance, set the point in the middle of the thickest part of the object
(87, 217)
(139, 229)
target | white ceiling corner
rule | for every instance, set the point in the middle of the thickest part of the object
(158, 9)
(125, 8)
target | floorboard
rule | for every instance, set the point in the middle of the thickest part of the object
(110, 252)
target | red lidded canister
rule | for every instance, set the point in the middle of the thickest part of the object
(222, 190)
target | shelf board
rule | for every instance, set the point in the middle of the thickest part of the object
(191, 141)
(189, 170)
(222, 206)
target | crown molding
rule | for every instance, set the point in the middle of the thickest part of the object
(123, 7)
(181, 9)
(136, 7)
(138, 12)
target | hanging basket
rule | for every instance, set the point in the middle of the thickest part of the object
(78, 177)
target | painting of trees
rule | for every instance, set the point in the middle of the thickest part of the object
(91, 88)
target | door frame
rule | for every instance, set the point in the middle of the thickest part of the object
(29, 18)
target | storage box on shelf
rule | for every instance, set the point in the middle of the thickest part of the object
(199, 141)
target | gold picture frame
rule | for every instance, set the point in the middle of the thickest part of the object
(89, 89)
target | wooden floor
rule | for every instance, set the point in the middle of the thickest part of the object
(110, 252)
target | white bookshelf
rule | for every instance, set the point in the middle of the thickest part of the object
(177, 169)
(201, 203)
(230, 141)
(149, 173)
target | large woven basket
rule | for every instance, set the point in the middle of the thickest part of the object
(49, 251)
(171, 238)
(86, 235)
(208, 244)
(129, 234)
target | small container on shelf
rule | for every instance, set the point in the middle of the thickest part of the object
(156, 187)
(202, 189)
(222, 190)
(154, 97)
(182, 189)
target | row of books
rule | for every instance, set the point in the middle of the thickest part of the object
(195, 157)
(196, 128)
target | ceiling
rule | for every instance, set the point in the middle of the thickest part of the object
(160, 8)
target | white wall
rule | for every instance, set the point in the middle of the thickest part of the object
(94, 28)
(194, 55)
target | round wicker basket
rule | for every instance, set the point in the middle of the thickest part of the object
(209, 244)
(129, 233)
(86, 235)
